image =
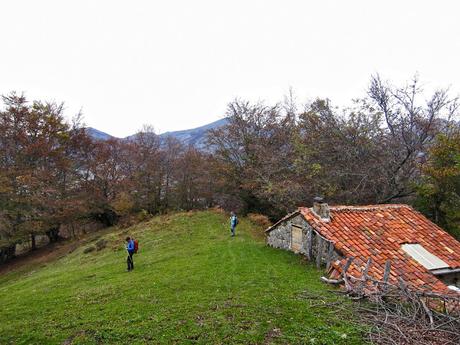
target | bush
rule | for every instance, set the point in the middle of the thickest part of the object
(143, 215)
(259, 219)
(218, 209)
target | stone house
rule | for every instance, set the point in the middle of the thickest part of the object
(420, 252)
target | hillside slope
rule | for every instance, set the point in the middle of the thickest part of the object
(197, 136)
(97, 134)
(192, 283)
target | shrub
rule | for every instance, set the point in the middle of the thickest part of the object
(143, 215)
(259, 219)
(218, 209)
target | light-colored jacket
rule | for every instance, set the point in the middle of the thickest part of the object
(233, 221)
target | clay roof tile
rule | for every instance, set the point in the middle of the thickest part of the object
(378, 231)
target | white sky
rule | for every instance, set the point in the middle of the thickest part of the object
(176, 64)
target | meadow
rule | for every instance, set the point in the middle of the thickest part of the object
(192, 284)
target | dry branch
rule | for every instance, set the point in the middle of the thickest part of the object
(398, 314)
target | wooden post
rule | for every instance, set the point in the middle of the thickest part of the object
(330, 252)
(386, 274)
(366, 269)
(402, 283)
(290, 232)
(428, 312)
(309, 244)
(344, 273)
(319, 251)
(347, 265)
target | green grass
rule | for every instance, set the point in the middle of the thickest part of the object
(192, 284)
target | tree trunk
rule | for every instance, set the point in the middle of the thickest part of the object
(53, 234)
(72, 227)
(34, 245)
(7, 253)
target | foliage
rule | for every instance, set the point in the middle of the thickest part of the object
(275, 158)
(253, 153)
(192, 283)
(39, 168)
(259, 219)
(439, 191)
(53, 174)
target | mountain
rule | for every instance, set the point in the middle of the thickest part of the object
(195, 136)
(97, 134)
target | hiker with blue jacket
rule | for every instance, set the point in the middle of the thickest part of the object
(130, 247)
(233, 223)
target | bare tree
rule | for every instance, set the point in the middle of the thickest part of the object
(412, 125)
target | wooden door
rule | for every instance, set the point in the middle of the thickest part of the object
(296, 239)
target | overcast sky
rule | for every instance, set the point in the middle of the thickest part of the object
(176, 64)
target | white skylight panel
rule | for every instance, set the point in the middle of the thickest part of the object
(424, 257)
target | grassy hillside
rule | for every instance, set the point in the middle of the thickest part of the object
(192, 283)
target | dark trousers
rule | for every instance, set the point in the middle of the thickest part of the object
(130, 261)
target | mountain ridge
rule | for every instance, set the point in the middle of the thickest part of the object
(194, 136)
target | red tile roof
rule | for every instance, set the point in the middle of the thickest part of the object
(378, 231)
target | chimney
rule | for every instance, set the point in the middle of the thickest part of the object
(321, 209)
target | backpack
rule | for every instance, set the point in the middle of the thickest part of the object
(136, 246)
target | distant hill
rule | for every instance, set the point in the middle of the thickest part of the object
(97, 134)
(195, 136)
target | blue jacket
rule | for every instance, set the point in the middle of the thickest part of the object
(233, 221)
(130, 246)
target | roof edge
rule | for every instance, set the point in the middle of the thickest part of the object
(287, 217)
(368, 207)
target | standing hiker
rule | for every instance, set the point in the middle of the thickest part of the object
(233, 223)
(130, 247)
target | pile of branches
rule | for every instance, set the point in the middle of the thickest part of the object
(398, 317)
(397, 314)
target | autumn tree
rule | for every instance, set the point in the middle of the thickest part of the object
(339, 154)
(255, 153)
(193, 187)
(106, 178)
(273, 158)
(172, 150)
(411, 122)
(148, 175)
(36, 167)
(438, 193)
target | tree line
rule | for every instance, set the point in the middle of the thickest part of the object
(52, 174)
(395, 144)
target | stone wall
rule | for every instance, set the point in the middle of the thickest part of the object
(299, 221)
(314, 247)
(280, 237)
